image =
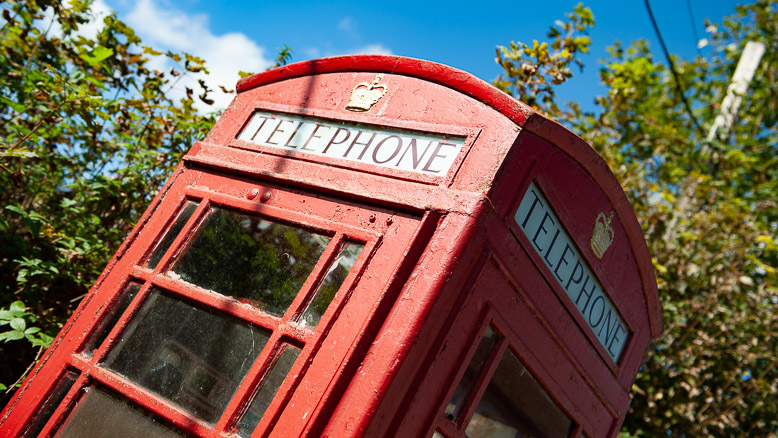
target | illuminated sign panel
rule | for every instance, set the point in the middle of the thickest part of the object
(406, 150)
(560, 255)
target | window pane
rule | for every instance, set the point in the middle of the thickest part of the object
(515, 405)
(192, 356)
(171, 234)
(254, 260)
(331, 283)
(471, 373)
(267, 390)
(102, 415)
(127, 295)
(51, 404)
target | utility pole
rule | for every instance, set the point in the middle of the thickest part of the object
(744, 72)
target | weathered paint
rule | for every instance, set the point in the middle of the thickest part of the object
(443, 258)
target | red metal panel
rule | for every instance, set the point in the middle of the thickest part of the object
(429, 71)
(378, 372)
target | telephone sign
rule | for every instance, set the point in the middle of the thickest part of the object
(549, 238)
(391, 148)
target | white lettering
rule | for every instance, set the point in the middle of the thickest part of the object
(406, 150)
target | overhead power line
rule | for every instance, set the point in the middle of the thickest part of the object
(678, 84)
(693, 22)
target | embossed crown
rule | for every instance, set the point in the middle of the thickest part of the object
(602, 237)
(366, 94)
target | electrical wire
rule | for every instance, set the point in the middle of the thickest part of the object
(693, 22)
(678, 84)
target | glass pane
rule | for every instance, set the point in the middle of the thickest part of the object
(472, 372)
(102, 415)
(51, 404)
(515, 405)
(267, 390)
(254, 260)
(124, 300)
(331, 283)
(171, 234)
(192, 356)
(437, 434)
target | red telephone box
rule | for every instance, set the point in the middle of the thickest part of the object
(363, 246)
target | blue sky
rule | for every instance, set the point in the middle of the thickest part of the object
(246, 35)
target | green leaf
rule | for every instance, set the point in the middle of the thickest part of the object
(18, 153)
(99, 54)
(17, 306)
(11, 336)
(18, 324)
(76, 76)
(18, 107)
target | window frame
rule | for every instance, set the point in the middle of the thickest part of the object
(455, 427)
(284, 330)
(478, 311)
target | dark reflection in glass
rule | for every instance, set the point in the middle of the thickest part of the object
(102, 415)
(515, 405)
(254, 260)
(331, 283)
(124, 300)
(268, 389)
(472, 372)
(194, 357)
(51, 404)
(171, 234)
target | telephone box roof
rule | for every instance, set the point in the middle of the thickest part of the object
(515, 110)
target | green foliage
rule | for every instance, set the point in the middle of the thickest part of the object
(284, 56)
(19, 320)
(710, 220)
(88, 134)
(531, 72)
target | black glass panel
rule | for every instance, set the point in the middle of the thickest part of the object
(51, 404)
(124, 300)
(171, 234)
(515, 405)
(267, 390)
(102, 415)
(331, 283)
(472, 372)
(257, 261)
(194, 357)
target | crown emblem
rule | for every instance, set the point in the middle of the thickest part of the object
(602, 236)
(366, 94)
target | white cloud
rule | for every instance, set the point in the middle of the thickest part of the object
(99, 10)
(171, 29)
(166, 28)
(370, 49)
(312, 52)
(349, 27)
(346, 24)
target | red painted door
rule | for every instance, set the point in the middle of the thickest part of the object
(500, 372)
(223, 308)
